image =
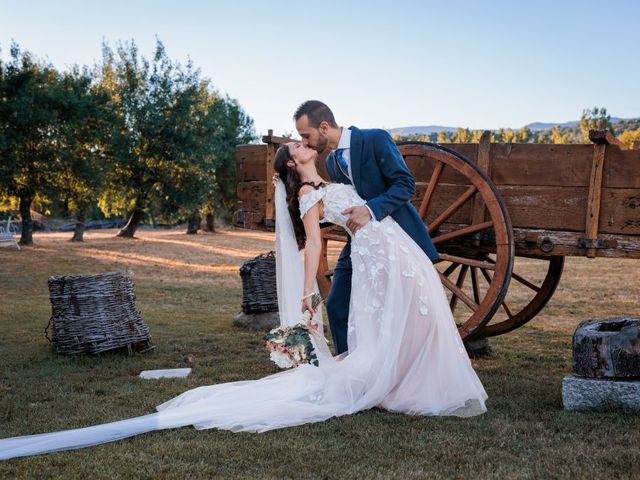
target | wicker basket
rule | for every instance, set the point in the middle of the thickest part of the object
(259, 292)
(95, 313)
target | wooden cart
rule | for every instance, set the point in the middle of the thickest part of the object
(485, 203)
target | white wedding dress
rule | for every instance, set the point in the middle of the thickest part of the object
(405, 354)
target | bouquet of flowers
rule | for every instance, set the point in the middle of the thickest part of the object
(292, 346)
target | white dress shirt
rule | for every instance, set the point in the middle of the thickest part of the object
(344, 144)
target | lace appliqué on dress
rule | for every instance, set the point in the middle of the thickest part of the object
(308, 200)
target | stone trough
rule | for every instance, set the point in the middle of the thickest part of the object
(606, 366)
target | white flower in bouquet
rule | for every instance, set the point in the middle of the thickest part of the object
(281, 359)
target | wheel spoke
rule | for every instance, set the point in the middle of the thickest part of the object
(525, 282)
(467, 261)
(507, 310)
(486, 276)
(519, 278)
(453, 208)
(459, 283)
(456, 291)
(462, 232)
(450, 269)
(475, 285)
(433, 182)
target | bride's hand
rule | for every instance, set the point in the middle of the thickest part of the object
(307, 306)
(275, 179)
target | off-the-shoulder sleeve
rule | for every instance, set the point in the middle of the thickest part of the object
(308, 200)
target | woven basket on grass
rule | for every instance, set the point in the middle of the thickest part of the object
(259, 293)
(95, 313)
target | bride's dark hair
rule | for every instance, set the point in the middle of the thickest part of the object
(292, 183)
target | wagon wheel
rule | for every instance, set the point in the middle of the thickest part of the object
(475, 309)
(534, 281)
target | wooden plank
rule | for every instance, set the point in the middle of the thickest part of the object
(620, 211)
(467, 150)
(621, 168)
(250, 160)
(595, 190)
(559, 208)
(541, 164)
(271, 138)
(252, 195)
(484, 162)
(606, 137)
(528, 243)
(566, 244)
(247, 219)
(544, 165)
(270, 213)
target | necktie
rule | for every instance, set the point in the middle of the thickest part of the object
(342, 162)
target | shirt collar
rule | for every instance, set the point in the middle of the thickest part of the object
(345, 139)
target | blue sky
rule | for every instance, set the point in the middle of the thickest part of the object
(476, 64)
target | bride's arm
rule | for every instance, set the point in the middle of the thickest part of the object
(312, 250)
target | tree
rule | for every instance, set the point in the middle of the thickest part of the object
(462, 135)
(594, 119)
(630, 137)
(508, 136)
(29, 127)
(557, 136)
(81, 145)
(161, 138)
(443, 137)
(523, 135)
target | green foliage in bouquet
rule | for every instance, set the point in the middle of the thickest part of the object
(292, 342)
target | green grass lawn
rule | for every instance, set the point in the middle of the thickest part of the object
(188, 290)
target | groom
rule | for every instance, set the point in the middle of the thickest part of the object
(371, 162)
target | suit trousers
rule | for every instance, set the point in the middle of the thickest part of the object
(339, 299)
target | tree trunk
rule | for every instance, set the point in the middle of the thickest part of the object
(79, 231)
(129, 230)
(193, 223)
(26, 237)
(209, 223)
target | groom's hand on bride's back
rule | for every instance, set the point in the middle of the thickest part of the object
(358, 217)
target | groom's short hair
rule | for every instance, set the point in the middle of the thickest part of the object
(316, 112)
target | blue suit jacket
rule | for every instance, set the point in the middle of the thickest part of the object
(382, 178)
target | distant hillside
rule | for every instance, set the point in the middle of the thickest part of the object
(534, 126)
(548, 126)
(426, 130)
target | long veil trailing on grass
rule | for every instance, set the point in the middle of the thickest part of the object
(238, 406)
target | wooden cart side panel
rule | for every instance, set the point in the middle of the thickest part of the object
(621, 168)
(250, 162)
(548, 164)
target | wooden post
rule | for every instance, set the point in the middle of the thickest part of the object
(604, 136)
(595, 189)
(270, 215)
(483, 160)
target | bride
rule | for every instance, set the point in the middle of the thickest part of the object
(404, 350)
